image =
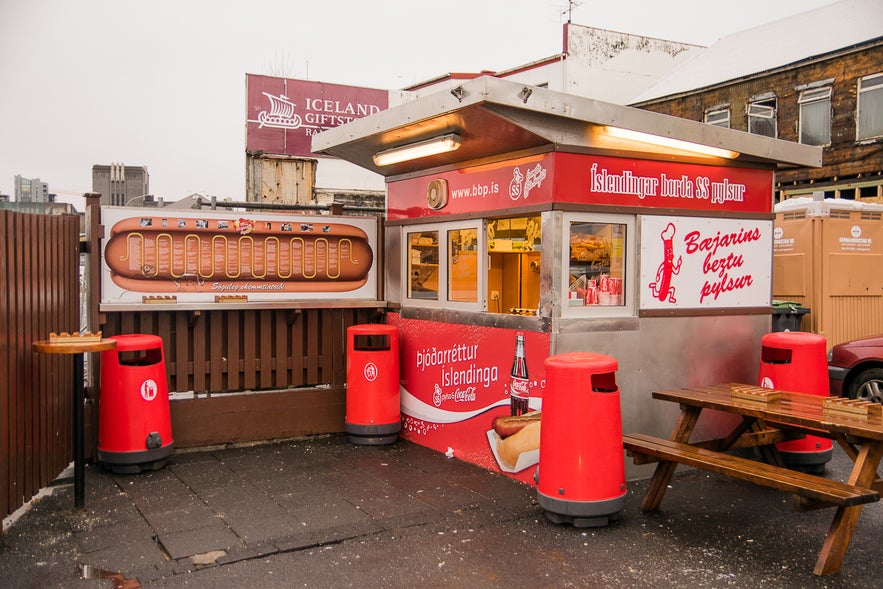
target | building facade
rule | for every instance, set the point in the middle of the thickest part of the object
(824, 94)
(31, 190)
(120, 185)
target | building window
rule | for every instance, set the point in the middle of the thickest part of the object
(815, 116)
(719, 117)
(762, 117)
(870, 107)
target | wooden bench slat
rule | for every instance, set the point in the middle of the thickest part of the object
(806, 485)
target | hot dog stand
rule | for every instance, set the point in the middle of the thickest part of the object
(524, 223)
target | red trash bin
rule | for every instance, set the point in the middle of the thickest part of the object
(797, 361)
(373, 399)
(134, 421)
(581, 472)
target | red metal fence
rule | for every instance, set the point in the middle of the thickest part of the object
(40, 293)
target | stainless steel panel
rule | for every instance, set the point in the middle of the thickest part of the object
(656, 353)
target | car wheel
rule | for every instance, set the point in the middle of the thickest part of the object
(868, 385)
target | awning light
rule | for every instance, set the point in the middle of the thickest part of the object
(661, 141)
(411, 151)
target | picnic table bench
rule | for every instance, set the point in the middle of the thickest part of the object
(768, 417)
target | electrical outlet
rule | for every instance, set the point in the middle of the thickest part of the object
(495, 295)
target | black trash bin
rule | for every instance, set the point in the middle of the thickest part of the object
(787, 315)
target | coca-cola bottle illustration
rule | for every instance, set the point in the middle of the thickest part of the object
(519, 393)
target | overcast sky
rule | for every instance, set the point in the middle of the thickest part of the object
(161, 83)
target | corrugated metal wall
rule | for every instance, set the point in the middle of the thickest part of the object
(40, 294)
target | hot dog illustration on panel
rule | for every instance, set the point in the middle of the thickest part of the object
(662, 288)
(144, 254)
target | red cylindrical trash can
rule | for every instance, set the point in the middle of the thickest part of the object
(581, 472)
(373, 399)
(797, 361)
(134, 421)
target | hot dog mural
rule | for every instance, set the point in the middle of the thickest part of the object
(197, 256)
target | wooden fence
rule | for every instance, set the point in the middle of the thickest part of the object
(247, 375)
(40, 293)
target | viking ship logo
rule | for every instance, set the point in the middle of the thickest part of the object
(281, 114)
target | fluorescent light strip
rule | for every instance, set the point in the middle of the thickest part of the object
(412, 151)
(660, 141)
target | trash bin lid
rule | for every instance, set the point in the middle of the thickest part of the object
(133, 342)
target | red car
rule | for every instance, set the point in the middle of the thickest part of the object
(855, 369)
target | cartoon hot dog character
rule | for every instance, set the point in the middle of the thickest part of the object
(662, 288)
(145, 255)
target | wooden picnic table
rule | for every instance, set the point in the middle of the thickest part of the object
(766, 418)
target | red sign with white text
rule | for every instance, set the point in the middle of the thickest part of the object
(283, 114)
(456, 379)
(586, 179)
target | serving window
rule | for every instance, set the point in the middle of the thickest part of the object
(513, 277)
(599, 260)
(445, 268)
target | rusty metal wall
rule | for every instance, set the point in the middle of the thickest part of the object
(40, 294)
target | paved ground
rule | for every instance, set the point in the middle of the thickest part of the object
(327, 513)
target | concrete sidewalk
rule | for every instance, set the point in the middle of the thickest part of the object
(327, 513)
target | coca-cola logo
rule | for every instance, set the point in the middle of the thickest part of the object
(465, 395)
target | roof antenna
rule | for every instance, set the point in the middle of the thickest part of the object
(571, 4)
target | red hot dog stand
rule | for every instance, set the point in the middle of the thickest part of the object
(530, 223)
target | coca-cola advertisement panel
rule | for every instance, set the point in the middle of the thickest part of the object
(284, 114)
(456, 379)
(695, 262)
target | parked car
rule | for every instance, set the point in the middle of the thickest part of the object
(855, 369)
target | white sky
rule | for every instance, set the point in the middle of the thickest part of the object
(161, 83)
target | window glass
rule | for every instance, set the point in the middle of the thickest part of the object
(463, 265)
(815, 116)
(718, 117)
(762, 118)
(870, 107)
(597, 263)
(423, 265)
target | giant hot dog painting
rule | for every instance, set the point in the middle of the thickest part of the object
(162, 255)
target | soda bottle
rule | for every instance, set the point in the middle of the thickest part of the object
(519, 393)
